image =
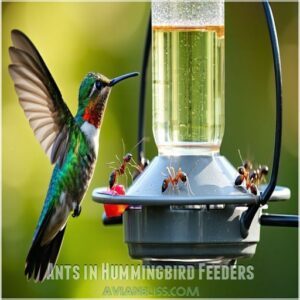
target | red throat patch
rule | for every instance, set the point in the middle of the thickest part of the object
(92, 116)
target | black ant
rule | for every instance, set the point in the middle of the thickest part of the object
(252, 178)
(174, 178)
(244, 172)
(256, 177)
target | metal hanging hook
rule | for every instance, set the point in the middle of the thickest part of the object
(249, 214)
(264, 197)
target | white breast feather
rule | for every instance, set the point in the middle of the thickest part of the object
(92, 134)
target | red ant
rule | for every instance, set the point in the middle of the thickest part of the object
(140, 167)
(252, 178)
(126, 160)
(174, 179)
(119, 171)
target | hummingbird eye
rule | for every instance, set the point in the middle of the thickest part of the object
(98, 85)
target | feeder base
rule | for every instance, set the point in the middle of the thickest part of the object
(168, 234)
(188, 262)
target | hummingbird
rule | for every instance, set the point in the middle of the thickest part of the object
(70, 142)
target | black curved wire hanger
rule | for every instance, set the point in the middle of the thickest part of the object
(247, 217)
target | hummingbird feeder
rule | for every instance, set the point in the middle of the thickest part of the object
(185, 208)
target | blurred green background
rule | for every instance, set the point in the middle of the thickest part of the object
(75, 38)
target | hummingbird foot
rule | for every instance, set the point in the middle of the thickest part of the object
(77, 211)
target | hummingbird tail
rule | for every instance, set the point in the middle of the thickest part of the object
(41, 259)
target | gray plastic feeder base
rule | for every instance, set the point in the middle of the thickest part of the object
(211, 180)
(175, 226)
(185, 235)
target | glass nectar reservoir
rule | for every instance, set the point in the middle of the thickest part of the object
(188, 76)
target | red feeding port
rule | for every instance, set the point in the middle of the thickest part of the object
(115, 210)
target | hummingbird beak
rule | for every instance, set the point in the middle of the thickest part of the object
(122, 77)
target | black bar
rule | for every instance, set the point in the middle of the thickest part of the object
(141, 119)
(278, 84)
(248, 215)
(279, 220)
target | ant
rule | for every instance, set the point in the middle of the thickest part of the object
(256, 177)
(140, 167)
(252, 178)
(119, 171)
(174, 178)
(126, 160)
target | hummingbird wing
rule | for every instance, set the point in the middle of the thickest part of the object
(40, 98)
